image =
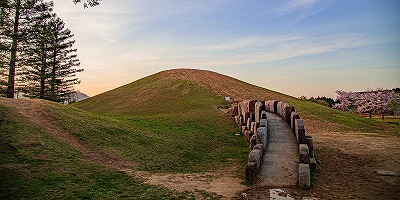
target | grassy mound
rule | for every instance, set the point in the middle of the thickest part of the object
(171, 95)
(186, 131)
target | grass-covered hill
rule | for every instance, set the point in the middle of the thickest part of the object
(182, 93)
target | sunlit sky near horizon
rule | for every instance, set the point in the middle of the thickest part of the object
(297, 47)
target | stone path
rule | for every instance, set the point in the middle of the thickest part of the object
(280, 165)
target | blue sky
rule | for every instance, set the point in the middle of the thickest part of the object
(298, 47)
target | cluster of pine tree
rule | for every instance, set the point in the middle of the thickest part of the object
(36, 51)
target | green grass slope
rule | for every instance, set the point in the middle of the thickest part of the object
(36, 165)
(195, 141)
(170, 97)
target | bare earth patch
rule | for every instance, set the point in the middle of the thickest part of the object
(221, 84)
(224, 183)
(349, 162)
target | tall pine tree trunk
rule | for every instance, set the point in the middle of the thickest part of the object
(53, 69)
(43, 71)
(13, 57)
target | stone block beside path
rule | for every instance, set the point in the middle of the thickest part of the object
(233, 111)
(251, 172)
(313, 164)
(252, 126)
(237, 120)
(309, 142)
(263, 123)
(263, 115)
(256, 125)
(270, 106)
(304, 175)
(248, 123)
(255, 156)
(247, 135)
(258, 109)
(244, 128)
(261, 148)
(299, 130)
(293, 117)
(262, 136)
(288, 111)
(279, 108)
(253, 142)
(303, 153)
(251, 105)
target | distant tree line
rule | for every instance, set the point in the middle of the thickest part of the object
(326, 101)
(36, 51)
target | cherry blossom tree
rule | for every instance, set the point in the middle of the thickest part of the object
(370, 101)
(347, 99)
(384, 98)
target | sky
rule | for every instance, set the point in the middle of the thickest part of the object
(297, 47)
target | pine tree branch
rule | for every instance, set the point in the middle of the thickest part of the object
(87, 3)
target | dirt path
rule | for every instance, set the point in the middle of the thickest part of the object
(223, 182)
(280, 166)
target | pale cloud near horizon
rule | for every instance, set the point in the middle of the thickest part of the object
(250, 50)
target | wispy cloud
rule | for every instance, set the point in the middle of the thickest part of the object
(297, 4)
(302, 8)
(266, 49)
(251, 42)
(246, 50)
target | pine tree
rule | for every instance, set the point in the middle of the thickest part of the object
(37, 63)
(64, 61)
(50, 69)
(36, 41)
(15, 37)
(5, 30)
(16, 19)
